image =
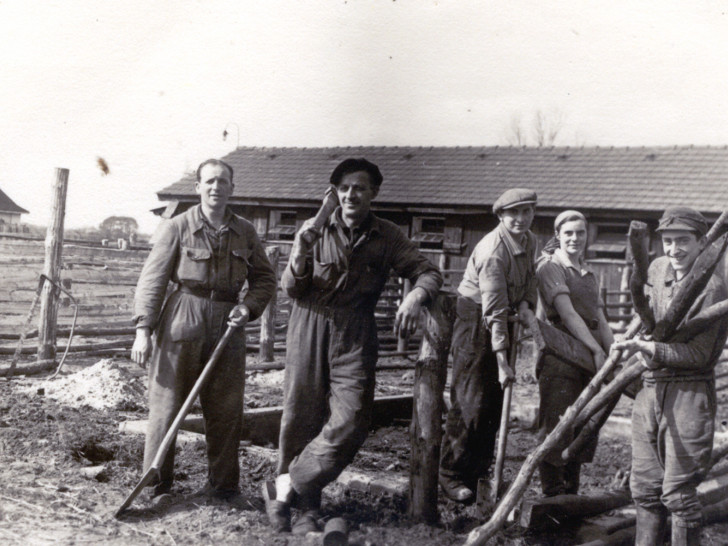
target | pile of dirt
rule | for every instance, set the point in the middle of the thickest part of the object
(105, 385)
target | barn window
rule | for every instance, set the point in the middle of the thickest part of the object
(282, 225)
(429, 232)
(610, 241)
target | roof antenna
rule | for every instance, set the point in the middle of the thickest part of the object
(225, 133)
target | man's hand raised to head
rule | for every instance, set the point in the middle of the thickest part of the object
(302, 245)
(408, 314)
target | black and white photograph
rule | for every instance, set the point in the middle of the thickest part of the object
(377, 273)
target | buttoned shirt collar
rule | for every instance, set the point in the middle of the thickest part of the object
(371, 223)
(198, 221)
(560, 257)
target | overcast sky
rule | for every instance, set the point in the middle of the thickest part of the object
(150, 86)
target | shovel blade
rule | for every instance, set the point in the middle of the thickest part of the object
(149, 476)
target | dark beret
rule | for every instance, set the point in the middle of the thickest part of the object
(683, 218)
(353, 165)
(514, 198)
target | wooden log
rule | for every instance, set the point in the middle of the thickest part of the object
(554, 512)
(52, 269)
(704, 318)
(480, 535)
(690, 288)
(19, 349)
(427, 408)
(717, 229)
(590, 430)
(267, 324)
(552, 341)
(638, 239)
(121, 344)
(613, 389)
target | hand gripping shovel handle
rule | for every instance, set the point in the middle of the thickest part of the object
(505, 415)
(329, 204)
(153, 471)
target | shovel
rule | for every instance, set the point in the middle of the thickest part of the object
(152, 472)
(496, 482)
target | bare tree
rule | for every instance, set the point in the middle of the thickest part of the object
(544, 129)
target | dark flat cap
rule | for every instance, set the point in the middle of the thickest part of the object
(683, 218)
(514, 197)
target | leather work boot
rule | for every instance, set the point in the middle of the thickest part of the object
(306, 523)
(279, 513)
(685, 536)
(650, 526)
(456, 490)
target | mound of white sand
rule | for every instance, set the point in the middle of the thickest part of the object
(105, 385)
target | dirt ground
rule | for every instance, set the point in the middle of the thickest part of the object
(65, 468)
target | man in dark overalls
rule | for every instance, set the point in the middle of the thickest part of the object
(209, 253)
(498, 281)
(331, 344)
(674, 413)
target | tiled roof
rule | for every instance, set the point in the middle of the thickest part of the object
(646, 179)
(8, 205)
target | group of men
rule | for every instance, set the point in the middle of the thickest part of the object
(335, 275)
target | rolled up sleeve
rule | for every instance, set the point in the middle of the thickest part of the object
(551, 281)
(494, 297)
(409, 263)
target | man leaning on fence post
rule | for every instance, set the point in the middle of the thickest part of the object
(499, 280)
(208, 253)
(673, 415)
(335, 282)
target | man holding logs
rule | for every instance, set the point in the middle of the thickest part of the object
(673, 414)
(335, 276)
(208, 253)
(499, 281)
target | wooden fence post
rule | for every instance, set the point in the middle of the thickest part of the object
(427, 410)
(52, 269)
(268, 319)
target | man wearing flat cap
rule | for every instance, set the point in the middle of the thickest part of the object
(499, 281)
(334, 278)
(673, 415)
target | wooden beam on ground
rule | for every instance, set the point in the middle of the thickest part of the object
(428, 406)
(261, 426)
(553, 512)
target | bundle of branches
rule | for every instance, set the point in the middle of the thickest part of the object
(589, 402)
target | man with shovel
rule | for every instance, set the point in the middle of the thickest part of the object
(334, 277)
(499, 281)
(208, 253)
(673, 415)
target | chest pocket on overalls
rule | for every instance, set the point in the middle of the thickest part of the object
(325, 275)
(240, 262)
(194, 264)
(371, 277)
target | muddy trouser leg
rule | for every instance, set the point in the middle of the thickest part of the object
(173, 369)
(688, 414)
(352, 350)
(559, 386)
(305, 383)
(222, 405)
(476, 399)
(647, 467)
